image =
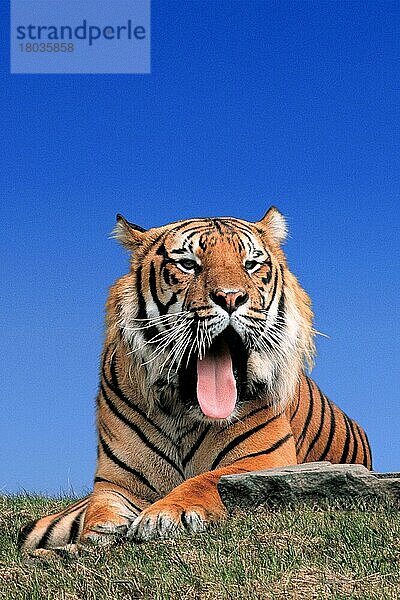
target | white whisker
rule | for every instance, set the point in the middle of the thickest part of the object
(315, 332)
(170, 354)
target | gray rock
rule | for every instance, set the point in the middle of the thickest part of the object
(308, 481)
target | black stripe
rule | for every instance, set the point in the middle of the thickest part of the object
(105, 427)
(331, 431)
(301, 438)
(75, 506)
(201, 318)
(153, 290)
(364, 448)
(280, 315)
(176, 251)
(98, 479)
(320, 428)
(197, 308)
(280, 322)
(108, 452)
(115, 387)
(369, 450)
(217, 224)
(133, 427)
(254, 412)
(129, 502)
(153, 243)
(25, 532)
(188, 432)
(281, 304)
(162, 251)
(247, 416)
(142, 313)
(237, 243)
(257, 310)
(44, 540)
(275, 446)
(240, 438)
(167, 277)
(272, 341)
(75, 527)
(253, 321)
(195, 447)
(249, 236)
(203, 239)
(355, 442)
(297, 406)
(273, 291)
(205, 222)
(345, 453)
(173, 300)
(240, 227)
(204, 228)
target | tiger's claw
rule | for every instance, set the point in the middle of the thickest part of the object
(170, 523)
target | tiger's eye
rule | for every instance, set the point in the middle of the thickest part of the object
(188, 264)
(250, 265)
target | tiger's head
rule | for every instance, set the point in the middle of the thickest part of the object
(211, 314)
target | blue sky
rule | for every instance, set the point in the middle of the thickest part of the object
(248, 104)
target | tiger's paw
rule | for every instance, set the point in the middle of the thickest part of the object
(102, 534)
(171, 521)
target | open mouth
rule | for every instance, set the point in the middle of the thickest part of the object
(215, 381)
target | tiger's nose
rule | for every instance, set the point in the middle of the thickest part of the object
(229, 300)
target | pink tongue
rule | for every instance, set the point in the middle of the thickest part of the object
(216, 385)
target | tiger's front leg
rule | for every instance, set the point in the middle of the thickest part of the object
(110, 511)
(192, 505)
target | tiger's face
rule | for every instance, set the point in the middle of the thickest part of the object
(212, 313)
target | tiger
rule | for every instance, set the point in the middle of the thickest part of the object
(204, 373)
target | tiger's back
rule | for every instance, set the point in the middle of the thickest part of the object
(323, 432)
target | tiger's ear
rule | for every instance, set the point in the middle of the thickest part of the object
(274, 223)
(128, 234)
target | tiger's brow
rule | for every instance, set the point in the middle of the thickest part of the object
(178, 251)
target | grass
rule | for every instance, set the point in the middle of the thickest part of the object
(300, 552)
